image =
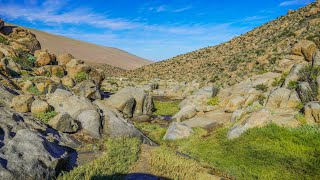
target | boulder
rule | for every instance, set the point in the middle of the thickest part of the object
(55, 79)
(24, 38)
(68, 81)
(132, 102)
(14, 68)
(282, 98)
(6, 95)
(30, 156)
(96, 77)
(305, 48)
(114, 125)
(39, 106)
(44, 58)
(256, 119)
(22, 103)
(316, 58)
(177, 131)
(85, 88)
(64, 122)
(91, 122)
(186, 112)
(235, 103)
(312, 112)
(64, 59)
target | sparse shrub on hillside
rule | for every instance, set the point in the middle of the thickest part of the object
(213, 101)
(46, 116)
(81, 76)
(34, 90)
(293, 85)
(25, 59)
(4, 40)
(261, 99)
(261, 87)
(309, 74)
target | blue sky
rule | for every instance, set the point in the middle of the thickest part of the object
(153, 29)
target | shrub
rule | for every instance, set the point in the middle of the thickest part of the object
(293, 85)
(309, 74)
(4, 40)
(25, 59)
(81, 76)
(261, 99)
(213, 101)
(120, 155)
(46, 116)
(34, 90)
(261, 87)
(301, 118)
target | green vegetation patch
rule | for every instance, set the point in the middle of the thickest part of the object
(34, 90)
(168, 108)
(46, 116)
(261, 87)
(153, 131)
(271, 152)
(165, 162)
(25, 59)
(81, 76)
(213, 101)
(117, 160)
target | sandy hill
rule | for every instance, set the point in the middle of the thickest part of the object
(256, 52)
(88, 52)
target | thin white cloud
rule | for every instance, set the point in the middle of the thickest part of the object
(295, 2)
(182, 9)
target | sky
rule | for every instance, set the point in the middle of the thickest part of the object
(152, 29)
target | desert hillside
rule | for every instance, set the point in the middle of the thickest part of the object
(88, 52)
(258, 51)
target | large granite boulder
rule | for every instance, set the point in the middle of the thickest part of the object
(282, 98)
(114, 125)
(85, 88)
(27, 150)
(22, 103)
(64, 122)
(132, 102)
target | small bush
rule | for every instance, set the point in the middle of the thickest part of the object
(261, 99)
(46, 116)
(25, 59)
(81, 76)
(4, 40)
(34, 90)
(261, 87)
(213, 101)
(301, 118)
(309, 74)
(293, 85)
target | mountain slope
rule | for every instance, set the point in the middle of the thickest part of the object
(255, 52)
(88, 52)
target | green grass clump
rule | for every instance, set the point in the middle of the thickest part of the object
(118, 158)
(25, 59)
(34, 90)
(4, 40)
(213, 101)
(153, 131)
(46, 116)
(165, 162)
(168, 108)
(261, 87)
(293, 85)
(271, 152)
(81, 76)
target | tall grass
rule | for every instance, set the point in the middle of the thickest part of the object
(167, 163)
(116, 161)
(271, 152)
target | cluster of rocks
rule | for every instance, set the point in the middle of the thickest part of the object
(34, 82)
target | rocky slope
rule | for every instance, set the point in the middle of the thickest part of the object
(91, 53)
(258, 51)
